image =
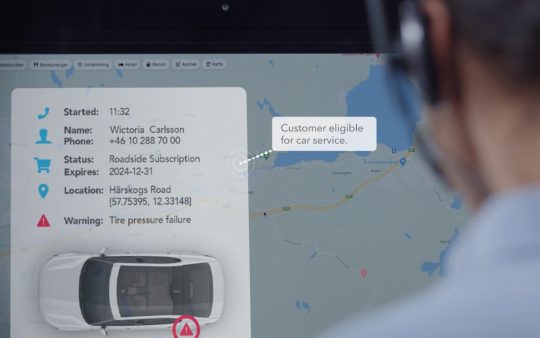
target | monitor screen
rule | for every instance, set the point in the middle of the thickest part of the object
(226, 195)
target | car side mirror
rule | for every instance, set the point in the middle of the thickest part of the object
(103, 252)
(104, 331)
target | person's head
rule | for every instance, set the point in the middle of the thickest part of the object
(487, 124)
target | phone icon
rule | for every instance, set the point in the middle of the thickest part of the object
(44, 114)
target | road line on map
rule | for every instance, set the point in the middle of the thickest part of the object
(339, 202)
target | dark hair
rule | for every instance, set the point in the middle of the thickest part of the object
(507, 31)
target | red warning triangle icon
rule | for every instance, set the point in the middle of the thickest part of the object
(43, 222)
(186, 331)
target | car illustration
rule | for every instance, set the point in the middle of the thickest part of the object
(129, 291)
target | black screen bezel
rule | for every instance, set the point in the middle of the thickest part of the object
(185, 26)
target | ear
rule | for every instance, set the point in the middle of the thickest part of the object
(440, 32)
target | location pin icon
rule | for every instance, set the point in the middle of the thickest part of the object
(363, 272)
(43, 190)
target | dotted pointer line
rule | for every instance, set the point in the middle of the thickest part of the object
(266, 153)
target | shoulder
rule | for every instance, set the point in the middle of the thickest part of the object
(423, 317)
(478, 307)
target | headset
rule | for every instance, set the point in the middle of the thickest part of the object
(410, 54)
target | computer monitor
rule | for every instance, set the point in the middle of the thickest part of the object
(214, 170)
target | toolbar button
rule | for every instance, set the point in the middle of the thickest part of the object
(186, 64)
(93, 64)
(214, 64)
(126, 64)
(156, 64)
(12, 65)
(50, 65)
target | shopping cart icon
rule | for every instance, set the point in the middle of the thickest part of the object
(43, 165)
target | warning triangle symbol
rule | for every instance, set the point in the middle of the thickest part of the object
(43, 222)
(186, 331)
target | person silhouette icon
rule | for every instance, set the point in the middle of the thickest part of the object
(43, 137)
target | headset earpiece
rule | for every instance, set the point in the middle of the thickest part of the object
(415, 50)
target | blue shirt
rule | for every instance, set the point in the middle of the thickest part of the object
(494, 285)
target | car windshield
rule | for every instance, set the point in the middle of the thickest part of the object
(94, 291)
(165, 290)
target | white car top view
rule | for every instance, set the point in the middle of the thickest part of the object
(126, 291)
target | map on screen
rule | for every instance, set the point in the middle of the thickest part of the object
(304, 239)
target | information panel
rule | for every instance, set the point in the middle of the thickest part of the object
(136, 173)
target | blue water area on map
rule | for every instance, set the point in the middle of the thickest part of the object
(408, 235)
(55, 79)
(69, 72)
(286, 159)
(441, 265)
(266, 103)
(313, 254)
(119, 73)
(457, 203)
(373, 98)
(270, 62)
(429, 267)
(362, 153)
(370, 98)
(303, 306)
